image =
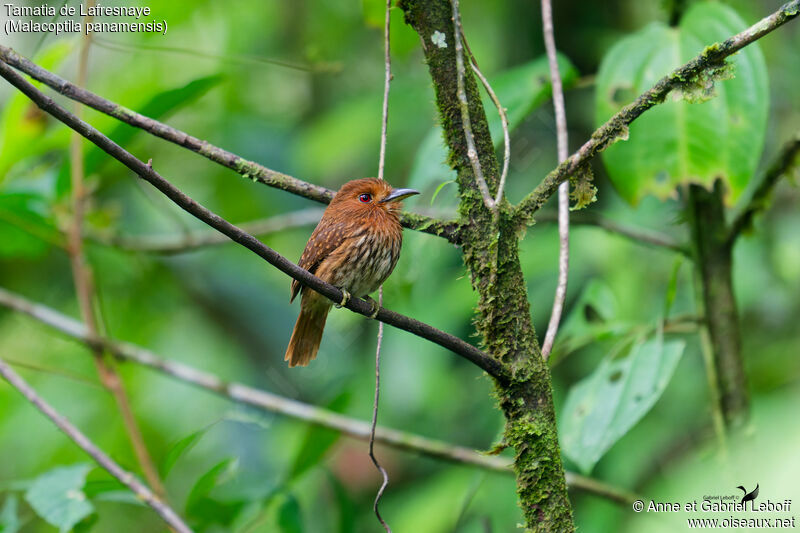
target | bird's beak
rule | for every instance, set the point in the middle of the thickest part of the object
(399, 194)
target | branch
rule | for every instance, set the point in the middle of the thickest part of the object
(248, 169)
(758, 202)
(260, 399)
(643, 236)
(83, 279)
(617, 126)
(563, 189)
(146, 172)
(126, 478)
(387, 80)
(503, 121)
(472, 152)
(187, 242)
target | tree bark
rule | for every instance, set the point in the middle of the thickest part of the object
(714, 263)
(490, 248)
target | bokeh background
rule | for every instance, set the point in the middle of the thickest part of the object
(296, 85)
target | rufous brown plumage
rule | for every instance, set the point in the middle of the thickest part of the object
(354, 247)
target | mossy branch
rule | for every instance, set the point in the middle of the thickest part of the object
(490, 244)
(682, 78)
(786, 160)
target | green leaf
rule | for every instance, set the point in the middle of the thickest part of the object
(26, 131)
(603, 407)
(317, 441)
(57, 496)
(680, 142)
(181, 447)
(110, 490)
(24, 225)
(158, 107)
(347, 508)
(289, 518)
(9, 521)
(592, 318)
(217, 475)
(520, 90)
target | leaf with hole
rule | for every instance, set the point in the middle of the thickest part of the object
(680, 142)
(603, 407)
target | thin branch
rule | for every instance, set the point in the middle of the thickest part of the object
(27, 365)
(248, 169)
(458, 346)
(617, 126)
(503, 120)
(785, 161)
(186, 242)
(374, 425)
(104, 461)
(472, 152)
(84, 285)
(635, 234)
(387, 60)
(260, 399)
(563, 189)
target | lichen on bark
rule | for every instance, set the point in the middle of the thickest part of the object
(490, 246)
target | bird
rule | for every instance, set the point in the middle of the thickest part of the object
(354, 247)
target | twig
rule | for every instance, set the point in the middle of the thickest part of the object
(758, 201)
(187, 242)
(248, 169)
(260, 399)
(458, 346)
(503, 120)
(374, 424)
(617, 126)
(387, 60)
(472, 152)
(84, 286)
(640, 235)
(563, 189)
(53, 371)
(104, 461)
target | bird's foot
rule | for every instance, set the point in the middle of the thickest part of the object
(376, 307)
(345, 299)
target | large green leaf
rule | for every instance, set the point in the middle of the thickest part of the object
(57, 496)
(604, 406)
(520, 90)
(680, 141)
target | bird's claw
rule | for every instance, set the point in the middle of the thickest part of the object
(376, 307)
(345, 299)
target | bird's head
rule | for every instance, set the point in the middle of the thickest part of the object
(368, 194)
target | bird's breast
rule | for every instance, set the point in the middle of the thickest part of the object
(366, 259)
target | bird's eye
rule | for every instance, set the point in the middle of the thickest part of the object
(366, 198)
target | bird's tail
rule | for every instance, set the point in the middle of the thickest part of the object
(307, 333)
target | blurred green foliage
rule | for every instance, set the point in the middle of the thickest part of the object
(216, 74)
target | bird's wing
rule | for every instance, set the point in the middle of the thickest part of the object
(326, 238)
